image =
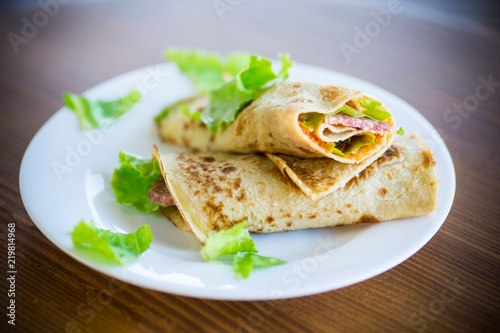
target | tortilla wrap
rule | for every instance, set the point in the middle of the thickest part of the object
(271, 124)
(172, 213)
(214, 191)
(318, 177)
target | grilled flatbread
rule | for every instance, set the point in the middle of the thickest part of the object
(214, 191)
(276, 122)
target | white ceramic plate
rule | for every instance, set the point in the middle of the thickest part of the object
(65, 175)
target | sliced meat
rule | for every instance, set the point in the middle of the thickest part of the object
(365, 124)
(159, 194)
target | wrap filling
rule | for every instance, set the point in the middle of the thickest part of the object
(349, 128)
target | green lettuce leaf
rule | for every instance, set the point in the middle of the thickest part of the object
(120, 248)
(207, 70)
(243, 263)
(166, 111)
(400, 131)
(163, 114)
(235, 63)
(354, 144)
(237, 247)
(131, 182)
(312, 120)
(225, 104)
(287, 64)
(191, 115)
(93, 114)
(145, 166)
(373, 111)
(231, 241)
(346, 109)
(228, 100)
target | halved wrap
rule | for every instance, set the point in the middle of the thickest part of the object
(302, 119)
(214, 191)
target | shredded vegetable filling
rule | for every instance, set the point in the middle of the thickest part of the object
(371, 119)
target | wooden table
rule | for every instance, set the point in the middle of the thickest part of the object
(434, 60)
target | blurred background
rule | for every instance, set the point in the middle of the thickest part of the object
(101, 31)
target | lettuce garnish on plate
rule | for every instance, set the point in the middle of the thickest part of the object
(207, 70)
(230, 241)
(243, 263)
(120, 248)
(230, 83)
(237, 247)
(131, 182)
(94, 114)
(227, 101)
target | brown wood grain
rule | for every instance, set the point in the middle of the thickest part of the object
(431, 61)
